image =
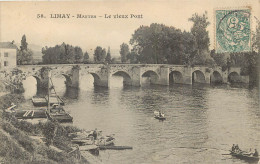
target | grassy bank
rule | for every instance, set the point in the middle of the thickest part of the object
(16, 146)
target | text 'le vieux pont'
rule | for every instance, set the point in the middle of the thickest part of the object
(107, 16)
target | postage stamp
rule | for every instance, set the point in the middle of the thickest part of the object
(232, 30)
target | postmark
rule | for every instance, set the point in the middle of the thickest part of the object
(233, 30)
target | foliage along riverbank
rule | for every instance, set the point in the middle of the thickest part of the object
(16, 146)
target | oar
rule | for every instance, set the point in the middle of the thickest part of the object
(225, 154)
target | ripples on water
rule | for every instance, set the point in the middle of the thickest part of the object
(202, 121)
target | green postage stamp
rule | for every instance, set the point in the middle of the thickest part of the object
(233, 30)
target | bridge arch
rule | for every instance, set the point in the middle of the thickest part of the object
(126, 77)
(198, 77)
(38, 80)
(216, 77)
(31, 85)
(96, 78)
(60, 81)
(153, 76)
(88, 80)
(233, 77)
(68, 79)
(175, 77)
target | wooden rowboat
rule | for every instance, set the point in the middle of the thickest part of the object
(159, 116)
(244, 156)
(43, 101)
(59, 114)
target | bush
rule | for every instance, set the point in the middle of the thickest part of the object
(17, 147)
(11, 150)
(48, 131)
(22, 139)
(5, 101)
(38, 159)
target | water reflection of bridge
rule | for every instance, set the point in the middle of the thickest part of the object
(160, 74)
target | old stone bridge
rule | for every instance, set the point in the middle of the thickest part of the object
(160, 74)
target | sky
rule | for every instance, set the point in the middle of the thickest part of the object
(19, 18)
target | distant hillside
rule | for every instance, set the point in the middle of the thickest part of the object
(115, 52)
(37, 51)
(35, 47)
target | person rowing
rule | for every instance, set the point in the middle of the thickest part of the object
(256, 153)
(160, 114)
(235, 148)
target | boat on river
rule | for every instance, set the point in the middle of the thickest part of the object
(26, 114)
(247, 156)
(57, 112)
(105, 141)
(87, 138)
(93, 149)
(159, 115)
(43, 101)
(30, 114)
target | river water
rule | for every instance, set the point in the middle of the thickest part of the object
(202, 122)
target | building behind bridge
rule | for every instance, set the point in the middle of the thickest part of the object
(8, 54)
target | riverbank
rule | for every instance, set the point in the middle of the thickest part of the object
(17, 145)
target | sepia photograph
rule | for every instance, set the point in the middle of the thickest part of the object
(130, 82)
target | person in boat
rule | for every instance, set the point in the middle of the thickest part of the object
(233, 148)
(160, 114)
(95, 134)
(250, 152)
(237, 149)
(256, 153)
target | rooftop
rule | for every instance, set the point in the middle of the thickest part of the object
(9, 45)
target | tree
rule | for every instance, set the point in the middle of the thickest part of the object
(69, 55)
(54, 55)
(220, 59)
(24, 55)
(98, 54)
(24, 44)
(86, 57)
(62, 54)
(256, 38)
(133, 57)
(256, 57)
(158, 43)
(189, 48)
(253, 67)
(124, 50)
(78, 55)
(103, 55)
(200, 58)
(201, 35)
(108, 57)
(199, 30)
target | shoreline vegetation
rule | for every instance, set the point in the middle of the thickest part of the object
(19, 146)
